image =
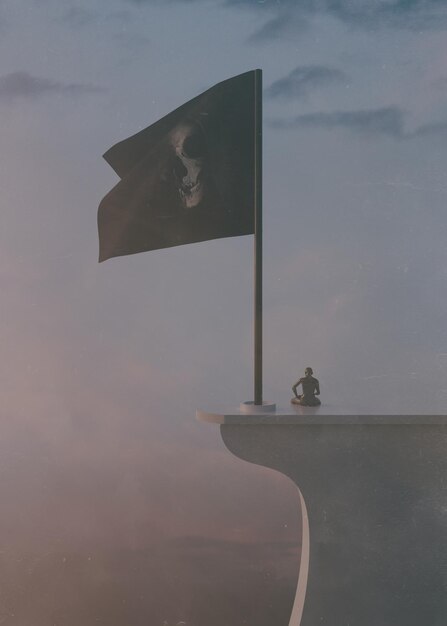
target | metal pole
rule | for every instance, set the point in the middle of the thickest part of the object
(258, 241)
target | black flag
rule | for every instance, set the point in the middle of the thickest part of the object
(189, 177)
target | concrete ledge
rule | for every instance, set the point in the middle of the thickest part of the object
(309, 416)
(373, 510)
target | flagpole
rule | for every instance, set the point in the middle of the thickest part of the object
(258, 242)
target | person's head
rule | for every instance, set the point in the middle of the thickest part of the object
(308, 371)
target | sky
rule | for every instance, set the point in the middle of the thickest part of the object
(118, 507)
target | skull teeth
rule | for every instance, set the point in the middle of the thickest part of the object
(190, 187)
(191, 195)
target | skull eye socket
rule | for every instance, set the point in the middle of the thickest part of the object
(194, 146)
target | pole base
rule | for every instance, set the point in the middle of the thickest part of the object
(250, 408)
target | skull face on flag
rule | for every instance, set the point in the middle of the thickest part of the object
(188, 141)
(189, 177)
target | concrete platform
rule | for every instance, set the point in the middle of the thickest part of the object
(373, 495)
(313, 415)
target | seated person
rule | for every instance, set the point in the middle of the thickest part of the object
(311, 389)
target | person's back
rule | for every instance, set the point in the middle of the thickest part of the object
(311, 389)
(309, 385)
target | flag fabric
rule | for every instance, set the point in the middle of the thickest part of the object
(187, 178)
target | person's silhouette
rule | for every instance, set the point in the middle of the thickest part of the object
(311, 389)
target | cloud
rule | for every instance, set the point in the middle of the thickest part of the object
(384, 121)
(156, 585)
(131, 41)
(279, 27)
(164, 2)
(398, 14)
(437, 128)
(440, 83)
(232, 550)
(24, 85)
(78, 17)
(401, 14)
(387, 121)
(303, 79)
